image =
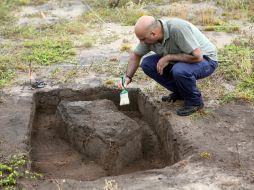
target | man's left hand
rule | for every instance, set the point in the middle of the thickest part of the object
(162, 63)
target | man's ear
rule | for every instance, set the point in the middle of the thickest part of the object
(153, 33)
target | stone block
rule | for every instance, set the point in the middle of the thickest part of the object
(100, 131)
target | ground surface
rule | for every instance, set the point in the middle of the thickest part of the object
(218, 147)
(217, 151)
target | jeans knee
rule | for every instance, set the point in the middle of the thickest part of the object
(179, 72)
(143, 65)
(146, 66)
(149, 64)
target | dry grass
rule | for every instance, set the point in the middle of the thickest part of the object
(206, 17)
(125, 47)
(111, 185)
(177, 9)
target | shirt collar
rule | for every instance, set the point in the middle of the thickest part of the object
(165, 29)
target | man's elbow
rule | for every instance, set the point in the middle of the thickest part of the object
(197, 54)
(135, 56)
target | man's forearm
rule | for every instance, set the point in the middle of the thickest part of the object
(195, 57)
(183, 58)
(133, 64)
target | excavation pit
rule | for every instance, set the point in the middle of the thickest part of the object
(85, 134)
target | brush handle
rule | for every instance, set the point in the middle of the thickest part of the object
(123, 81)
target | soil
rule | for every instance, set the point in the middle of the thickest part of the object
(56, 157)
(226, 134)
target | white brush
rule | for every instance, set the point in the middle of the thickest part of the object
(124, 95)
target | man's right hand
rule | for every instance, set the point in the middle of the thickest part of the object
(121, 85)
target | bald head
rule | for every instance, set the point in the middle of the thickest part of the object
(149, 30)
(144, 24)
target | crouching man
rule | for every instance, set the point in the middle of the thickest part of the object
(183, 54)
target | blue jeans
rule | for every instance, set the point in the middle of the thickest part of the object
(180, 77)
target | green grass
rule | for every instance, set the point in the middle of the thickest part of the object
(235, 68)
(5, 9)
(48, 51)
(12, 170)
(43, 45)
(6, 75)
(9, 63)
(15, 57)
(30, 2)
(18, 32)
(236, 62)
(64, 27)
(229, 28)
(205, 112)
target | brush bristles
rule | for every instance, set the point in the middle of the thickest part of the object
(124, 99)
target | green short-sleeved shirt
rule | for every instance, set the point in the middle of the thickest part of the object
(180, 36)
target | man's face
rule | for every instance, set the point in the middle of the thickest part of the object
(148, 38)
